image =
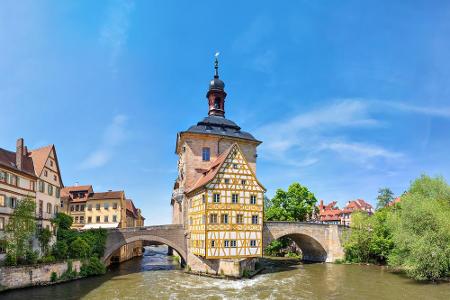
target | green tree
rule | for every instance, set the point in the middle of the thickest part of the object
(79, 248)
(44, 236)
(62, 221)
(385, 196)
(295, 204)
(60, 249)
(19, 231)
(421, 230)
(93, 266)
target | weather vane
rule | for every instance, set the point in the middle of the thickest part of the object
(216, 65)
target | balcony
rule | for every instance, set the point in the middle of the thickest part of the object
(178, 195)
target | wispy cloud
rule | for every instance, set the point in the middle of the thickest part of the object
(309, 135)
(443, 112)
(114, 32)
(113, 136)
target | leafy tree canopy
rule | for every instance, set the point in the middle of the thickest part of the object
(295, 204)
(63, 221)
(385, 196)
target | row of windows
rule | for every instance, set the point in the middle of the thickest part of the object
(8, 201)
(231, 243)
(48, 208)
(50, 189)
(227, 181)
(81, 207)
(234, 198)
(97, 219)
(55, 177)
(224, 219)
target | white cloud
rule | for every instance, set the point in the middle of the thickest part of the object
(309, 135)
(113, 136)
(430, 111)
(114, 32)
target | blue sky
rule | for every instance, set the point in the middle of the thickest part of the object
(347, 96)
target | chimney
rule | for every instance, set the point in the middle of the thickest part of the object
(19, 153)
(76, 183)
(321, 204)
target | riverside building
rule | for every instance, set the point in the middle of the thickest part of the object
(108, 210)
(216, 195)
(29, 173)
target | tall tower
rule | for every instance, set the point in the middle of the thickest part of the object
(202, 143)
(216, 196)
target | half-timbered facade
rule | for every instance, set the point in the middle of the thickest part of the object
(226, 209)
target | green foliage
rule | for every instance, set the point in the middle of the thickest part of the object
(295, 204)
(385, 196)
(370, 239)
(53, 277)
(44, 236)
(47, 259)
(70, 273)
(62, 221)
(96, 239)
(19, 231)
(93, 267)
(31, 258)
(275, 247)
(421, 230)
(60, 249)
(79, 248)
(413, 237)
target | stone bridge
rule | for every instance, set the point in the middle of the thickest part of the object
(318, 242)
(170, 235)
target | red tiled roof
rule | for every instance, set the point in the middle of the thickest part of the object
(394, 202)
(39, 157)
(77, 188)
(106, 195)
(131, 208)
(211, 172)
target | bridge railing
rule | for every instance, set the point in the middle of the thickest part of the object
(153, 227)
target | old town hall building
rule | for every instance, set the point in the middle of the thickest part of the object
(217, 196)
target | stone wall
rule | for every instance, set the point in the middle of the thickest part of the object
(227, 267)
(23, 276)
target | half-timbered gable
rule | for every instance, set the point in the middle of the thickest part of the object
(226, 209)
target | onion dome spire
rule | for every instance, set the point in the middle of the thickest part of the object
(216, 93)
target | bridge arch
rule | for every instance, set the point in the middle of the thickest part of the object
(318, 242)
(170, 235)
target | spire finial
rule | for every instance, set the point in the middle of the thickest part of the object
(216, 65)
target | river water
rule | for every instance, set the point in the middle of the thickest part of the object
(156, 276)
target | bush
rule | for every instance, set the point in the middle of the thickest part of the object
(48, 259)
(79, 248)
(31, 257)
(44, 236)
(60, 249)
(93, 267)
(53, 277)
(69, 273)
(10, 259)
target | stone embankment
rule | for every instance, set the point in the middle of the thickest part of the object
(24, 276)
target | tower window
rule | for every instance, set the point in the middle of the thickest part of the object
(234, 198)
(213, 219)
(252, 199)
(217, 103)
(213, 243)
(205, 154)
(252, 243)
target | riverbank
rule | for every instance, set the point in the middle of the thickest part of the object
(14, 277)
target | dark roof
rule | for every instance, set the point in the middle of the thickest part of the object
(8, 159)
(220, 126)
